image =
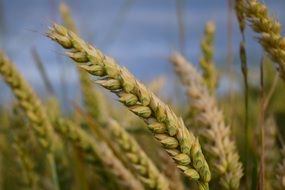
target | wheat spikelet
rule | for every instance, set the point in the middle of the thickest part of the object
(269, 32)
(206, 61)
(168, 129)
(280, 172)
(224, 159)
(89, 146)
(145, 169)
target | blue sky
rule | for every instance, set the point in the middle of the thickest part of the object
(141, 37)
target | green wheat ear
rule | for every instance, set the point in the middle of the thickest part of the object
(269, 30)
(91, 98)
(206, 61)
(33, 109)
(167, 128)
(144, 167)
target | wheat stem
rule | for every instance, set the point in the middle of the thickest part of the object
(243, 59)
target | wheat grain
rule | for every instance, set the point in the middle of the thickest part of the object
(223, 159)
(268, 29)
(168, 129)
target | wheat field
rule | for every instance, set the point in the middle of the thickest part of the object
(189, 131)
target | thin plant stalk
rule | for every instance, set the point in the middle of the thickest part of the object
(42, 71)
(181, 24)
(244, 68)
(261, 180)
(270, 93)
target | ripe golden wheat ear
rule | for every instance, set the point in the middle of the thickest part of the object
(223, 156)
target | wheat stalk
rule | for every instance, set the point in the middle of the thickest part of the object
(243, 59)
(168, 129)
(92, 149)
(145, 169)
(206, 61)
(224, 159)
(269, 32)
(34, 111)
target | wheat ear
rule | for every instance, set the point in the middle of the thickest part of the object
(91, 97)
(271, 151)
(206, 61)
(27, 165)
(168, 129)
(27, 100)
(269, 32)
(34, 111)
(280, 172)
(144, 167)
(224, 159)
(96, 152)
